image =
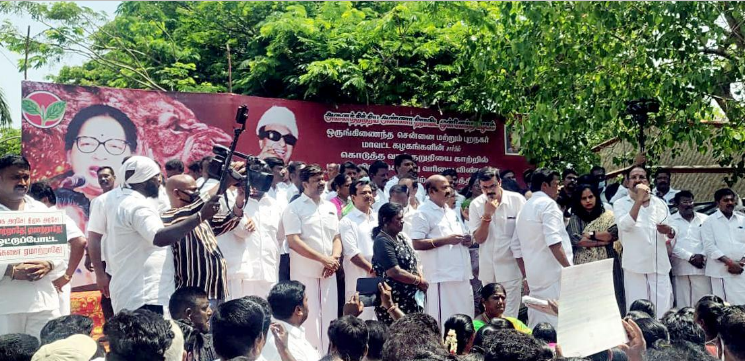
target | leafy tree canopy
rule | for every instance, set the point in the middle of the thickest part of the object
(561, 71)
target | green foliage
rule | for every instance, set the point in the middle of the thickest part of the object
(4, 110)
(563, 71)
(10, 141)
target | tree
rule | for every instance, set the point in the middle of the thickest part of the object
(562, 72)
(5, 119)
(10, 141)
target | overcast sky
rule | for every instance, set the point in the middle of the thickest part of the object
(12, 77)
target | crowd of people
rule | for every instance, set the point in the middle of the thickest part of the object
(351, 263)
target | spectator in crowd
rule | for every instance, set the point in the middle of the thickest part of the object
(492, 306)
(96, 228)
(443, 248)
(707, 313)
(379, 176)
(412, 184)
(643, 224)
(396, 262)
(239, 328)
(312, 228)
(592, 230)
(452, 176)
(644, 305)
(174, 167)
(598, 172)
(138, 335)
(75, 347)
(278, 189)
(252, 251)
(688, 259)
(492, 222)
(289, 304)
(506, 174)
(459, 334)
(414, 335)
(378, 333)
(198, 261)
(399, 194)
(545, 332)
(470, 192)
(527, 175)
(348, 337)
(194, 169)
(32, 284)
(340, 186)
(725, 248)
(63, 327)
(569, 177)
(622, 190)
(655, 333)
(190, 308)
(205, 182)
(542, 247)
(405, 165)
(278, 133)
(350, 170)
(683, 329)
(732, 332)
(511, 345)
(17, 346)
(356, 238)
(662, 187)
(293, 171)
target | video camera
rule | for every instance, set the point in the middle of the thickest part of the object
(219, 167)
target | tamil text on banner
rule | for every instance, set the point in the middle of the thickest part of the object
(32, 236)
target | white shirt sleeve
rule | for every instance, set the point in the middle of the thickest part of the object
(97, 219)
(474, 216)
(552, 220)
(419, 226)
(147, 222)
(707, 236)
(349, 240)
(291, 221)
(623, 218)
(517, 251)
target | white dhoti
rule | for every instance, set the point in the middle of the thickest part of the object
(654, 287)
(29, 323)
(690, 289)
(445, 299)
(322, 309)
(238, 288)
(731, 288)
(514, 290)
(547, 293)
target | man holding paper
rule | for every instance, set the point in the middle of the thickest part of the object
(29, 289)
(542, 246)
(643, 230)
(493, 215)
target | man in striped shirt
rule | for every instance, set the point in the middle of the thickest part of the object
(197, 259)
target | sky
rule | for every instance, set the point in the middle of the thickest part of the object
(10, 80)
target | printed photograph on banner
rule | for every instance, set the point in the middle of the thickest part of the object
(511, 140)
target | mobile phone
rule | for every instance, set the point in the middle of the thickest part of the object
(368, 290)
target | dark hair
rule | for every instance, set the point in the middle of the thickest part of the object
(597, 167)
(112, 170)
(682, 194)
(399, 188)
(294, 166)
(637, 315)
(708, 313)
(14, 160)
(138, 335)
(67, 196)
(310, 171)
(349, 336)
(718, 195)
(348, 165)
(653, 331)
(467, 190)
(627, 173)
(710, 297)
(184, 298)
(463, 327)
(488, 173)
(544, 331)
(63, 327)
(505, 172)
(267, 310)
(386, 213)
(450, 172)
(540, 176)
(662, 171)
(682, 327)
(272, 162)
(377, 166)
(491, 288)
(339, 181)
(732, 331)
(73, 129)
(401, 158)
(501, 323)
(511, 185)
(358, 183)
(568, 171)
(645, 306)
(579, 210)
(514, 345)
(175, 164)
(195, 166)
(528, 175)
(18, 347)
(284, 297)
(236, 325)
(40, 190)
(378, 333)
(411, 335)
(483, 333)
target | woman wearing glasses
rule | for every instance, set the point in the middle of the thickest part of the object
(99, 135)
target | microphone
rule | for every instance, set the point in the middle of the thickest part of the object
(72, 182)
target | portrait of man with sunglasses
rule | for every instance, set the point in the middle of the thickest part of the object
(277, 132)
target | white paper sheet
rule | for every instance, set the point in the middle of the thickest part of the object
(589, 319)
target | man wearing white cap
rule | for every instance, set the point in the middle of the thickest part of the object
(138, 241)
(277, 132)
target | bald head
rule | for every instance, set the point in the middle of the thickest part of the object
(179, 187)
(438, 189)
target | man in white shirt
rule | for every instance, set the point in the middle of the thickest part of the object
(688, 259)
(29, 289)
(252, 250)
(443, 248)
(492, 220)
(290, 308)
(662, 187)
(379, 176)
(239, 329)
(137, 241)
(357, 243)
(643, 229)
(404, 164)
(311, 225)
(399, 194)
(96, 229)
(723, 234)
(542, 246)
(278, 190)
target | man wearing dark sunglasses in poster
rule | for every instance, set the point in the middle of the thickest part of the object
(277, 132)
